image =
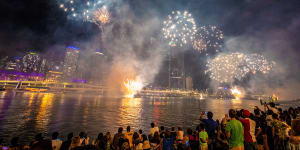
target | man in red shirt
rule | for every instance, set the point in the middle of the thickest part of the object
(249, 131)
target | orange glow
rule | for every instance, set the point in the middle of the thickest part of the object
(237, 93)
(132, 87)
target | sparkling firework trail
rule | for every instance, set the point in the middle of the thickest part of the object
(179, 28)
(199, 45)
(226, 68)
(211, 36)
(90, 10)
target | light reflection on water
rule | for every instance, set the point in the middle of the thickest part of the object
(25, 113)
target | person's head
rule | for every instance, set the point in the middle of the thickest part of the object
(280, 110)
(140, 131)
(144, 137)
(38, 137)
(162, 128)
(179, 129)
(232, 113)
(202, 127)
(55, 135)
(272, 104)
(82, 135)
(70, 136)
(246, 113)
(135, 135)
(291, 110)
(100, 136)
(198, 128)
(152, 125)
(128, 128)
(42, 145)
(189, 131)
(269, 112)
(14, 142)
(120, 130)
(275, 116)
(173, 129)
(210, 115)
(256, 112)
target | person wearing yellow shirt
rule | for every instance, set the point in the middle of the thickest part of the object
(129, 135)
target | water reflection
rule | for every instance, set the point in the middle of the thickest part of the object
(130, 112)
(44, 113)
(26, 113)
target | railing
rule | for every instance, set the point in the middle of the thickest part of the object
(43, 84)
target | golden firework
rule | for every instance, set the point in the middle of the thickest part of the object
(102, 16)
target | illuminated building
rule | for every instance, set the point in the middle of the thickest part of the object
(20, 76)
(14, 65)
(31, 62)
(70, 62)
(42, 68)
(3, 62)
(53, 76)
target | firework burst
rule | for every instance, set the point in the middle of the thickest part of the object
(199, 45)
(211, 36)
(226, 68)
(179, 28)
(101, 16)
(90, 10)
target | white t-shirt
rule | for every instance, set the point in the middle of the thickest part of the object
(56, 144)
(153, 130)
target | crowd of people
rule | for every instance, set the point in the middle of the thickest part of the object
(268, 129)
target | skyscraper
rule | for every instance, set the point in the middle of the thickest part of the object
(176, 69)
(70, 62)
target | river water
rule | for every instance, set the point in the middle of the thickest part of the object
(25, 114)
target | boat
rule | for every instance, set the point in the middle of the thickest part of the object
(37, 89)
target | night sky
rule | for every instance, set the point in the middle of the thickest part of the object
(36, 24)
(268, 27)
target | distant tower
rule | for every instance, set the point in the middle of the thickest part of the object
(176, 69)
(70, 62)
(97, 67)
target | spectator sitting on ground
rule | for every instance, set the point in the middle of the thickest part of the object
(66, 144)
(153, 129)
(56, 143)
(129, 135)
